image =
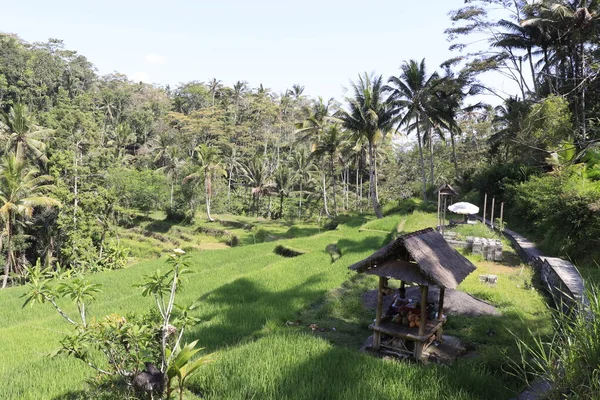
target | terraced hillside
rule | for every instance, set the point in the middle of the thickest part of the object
(255, 306)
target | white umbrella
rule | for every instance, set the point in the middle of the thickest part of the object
(464, 208)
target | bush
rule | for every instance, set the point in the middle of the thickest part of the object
(570, 359)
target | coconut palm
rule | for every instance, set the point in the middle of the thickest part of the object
(410, 93)
(370, 116)
(24, 139)
(329, 145)
(302, 166)
(209, 161)
(22, 189)
(257, 175)
(283, 180)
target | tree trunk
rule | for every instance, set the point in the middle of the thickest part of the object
(325, 197)
(208, 186)
(331, 170)
(9, 253)
(535, 89)
(454, 155)
(422, 163)
(301, 194)
(372, 182)
(431, 165)
(357, 187)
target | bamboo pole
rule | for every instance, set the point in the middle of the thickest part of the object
(501, 215)
(492, 217)
(484, 207)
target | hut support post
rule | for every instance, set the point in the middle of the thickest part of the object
(377, 335)
(419, 344)
(441, 313)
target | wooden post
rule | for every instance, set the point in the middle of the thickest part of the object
(419, 344)
(492, 217)
(441, 312)
(377, 334)
(484, 207)
(501, 214)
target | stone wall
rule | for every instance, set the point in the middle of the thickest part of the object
(560, 278)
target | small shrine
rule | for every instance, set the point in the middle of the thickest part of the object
(422, 258)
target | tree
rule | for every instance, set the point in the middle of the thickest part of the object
(208, 159)
(329, 146)
(257, 175)
(21, 190)
(302, 166)
(23, 137)
(410, 94)
(370, 116)
(282, 185)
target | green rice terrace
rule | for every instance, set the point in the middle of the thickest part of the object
(282, 327)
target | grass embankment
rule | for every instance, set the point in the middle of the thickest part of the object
(247, 295)
(150, 236)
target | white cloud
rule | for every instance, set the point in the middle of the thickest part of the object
(140, 77)
(154, 59)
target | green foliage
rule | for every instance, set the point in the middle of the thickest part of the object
(144, 190)
(569, 359)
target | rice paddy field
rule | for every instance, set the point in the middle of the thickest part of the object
(255, 307)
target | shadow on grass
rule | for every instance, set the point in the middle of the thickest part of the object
(296, 232)
(244, 310)
(160, 226)
(373, 243)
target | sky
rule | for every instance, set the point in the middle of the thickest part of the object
(321, 45)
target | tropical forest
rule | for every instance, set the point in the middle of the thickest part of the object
(193, 240)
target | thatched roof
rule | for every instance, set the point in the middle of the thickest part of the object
(446, 189)
(423, 257)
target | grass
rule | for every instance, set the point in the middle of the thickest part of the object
(248, 297)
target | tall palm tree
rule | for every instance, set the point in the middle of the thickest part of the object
(302, 166)
(23, 137)
(22, 189)
(369, 115)
(329, 145)
(257, 175)
(209, 161)
(410, 93)
(213, 87)
(283, 180)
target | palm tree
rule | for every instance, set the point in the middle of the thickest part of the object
(213, 87)
(210, 164)
(410, 93)
(370, 116)
(282, 184)
(23, 137)
(302, 166)
(257, 175)
(329, 145)
(21, 190)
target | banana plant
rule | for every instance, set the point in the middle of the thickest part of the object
(182, 366)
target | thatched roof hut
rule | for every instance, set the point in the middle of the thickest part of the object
(423, 257)
(446, 190)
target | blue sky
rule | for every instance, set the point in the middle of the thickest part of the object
(318, 44)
